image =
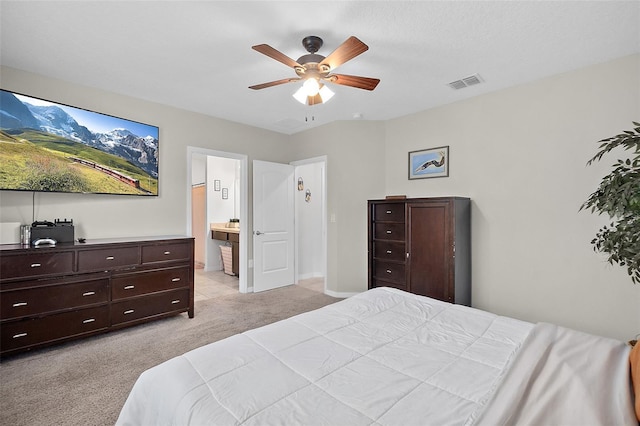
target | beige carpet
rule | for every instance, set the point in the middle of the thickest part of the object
(86, 382)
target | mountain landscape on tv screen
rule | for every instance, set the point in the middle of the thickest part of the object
(119, 151)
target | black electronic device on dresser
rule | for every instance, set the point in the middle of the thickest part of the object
(50, 294)
(421, 245)
(59, 231)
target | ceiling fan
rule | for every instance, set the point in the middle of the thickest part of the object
(315, 69)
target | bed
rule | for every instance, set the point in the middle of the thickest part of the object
(387, 357)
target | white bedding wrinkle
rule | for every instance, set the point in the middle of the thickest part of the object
(383, 357)
(565, 377)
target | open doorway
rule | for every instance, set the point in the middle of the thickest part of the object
(217, 193)
(311, 222)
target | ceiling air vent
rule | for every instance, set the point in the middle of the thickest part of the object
(466, 82)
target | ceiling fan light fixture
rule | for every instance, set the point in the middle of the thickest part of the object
(311, 86)
(325, 93)
(315, 96)
(301, 95)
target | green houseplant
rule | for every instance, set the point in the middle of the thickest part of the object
(619, 196)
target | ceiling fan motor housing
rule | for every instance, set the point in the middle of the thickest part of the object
(311, 60)
(312, 43)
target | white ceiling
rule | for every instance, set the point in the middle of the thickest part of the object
(197, 55)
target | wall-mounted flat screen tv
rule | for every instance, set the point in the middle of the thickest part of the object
(51, 147)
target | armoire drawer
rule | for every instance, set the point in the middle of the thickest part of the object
(108, 258)
(28, 332)
(35, 264)
(389, 231)
(386, 250)
(165, 252)
(389, 271)
(146, 282)
(390, 212)
(50, 298)
(128, 310)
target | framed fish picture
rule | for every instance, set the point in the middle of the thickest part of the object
(429, 163)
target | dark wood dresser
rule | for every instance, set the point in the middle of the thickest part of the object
(421, 245)
(54, 294)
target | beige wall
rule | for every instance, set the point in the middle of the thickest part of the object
(103, 216)
(355, 173)
(519, 154)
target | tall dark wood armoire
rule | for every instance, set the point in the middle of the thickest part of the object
(422, 245)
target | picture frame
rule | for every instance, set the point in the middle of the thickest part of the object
(225, 193)
(429, 163)
(216, 185)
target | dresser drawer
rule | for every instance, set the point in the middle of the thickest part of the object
(108, 258)
(389, 271)
(148, 306)
(38, 300)
(166, 252)
(24, 333)
(389, 231)
(138, 283)
(35, 264)
(390, 212)
(386, 250)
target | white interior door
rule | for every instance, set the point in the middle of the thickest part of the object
(273, 225)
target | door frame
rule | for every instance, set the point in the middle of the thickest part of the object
(323, 194)
(244, 205)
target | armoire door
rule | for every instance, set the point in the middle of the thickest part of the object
(430, 245)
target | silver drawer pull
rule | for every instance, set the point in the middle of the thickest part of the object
(87, 321)
(388, 271)
(388, 231)
(175, 280)
(89, 293)
(167, 252)
(389, 212)
(17, 305)
(36, 265)
(130, 311)
(129, 287)
(173, 302)
(388, 251)
(110, 257)
(17, 336)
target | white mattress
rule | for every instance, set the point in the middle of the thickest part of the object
(383, 357)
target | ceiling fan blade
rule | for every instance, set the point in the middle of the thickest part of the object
(351, 48)
(314, 100)
(265, 49)
(273, 83)
(365, 83)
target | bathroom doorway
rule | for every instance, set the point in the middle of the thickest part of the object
(217, 194)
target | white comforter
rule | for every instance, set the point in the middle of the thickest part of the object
(384, 357)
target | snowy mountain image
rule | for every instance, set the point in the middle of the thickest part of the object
(134, 142)
(51, 147)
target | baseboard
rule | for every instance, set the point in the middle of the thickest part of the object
(309, 276)
(340, 294)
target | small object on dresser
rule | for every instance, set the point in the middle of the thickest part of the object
(25, 235)
(44, 242)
